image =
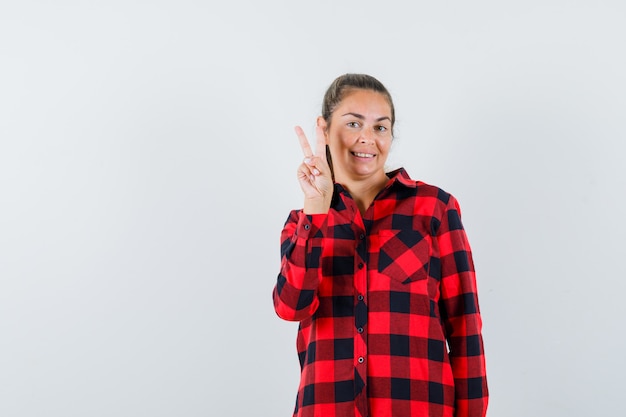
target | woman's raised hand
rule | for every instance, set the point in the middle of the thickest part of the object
(314, 174)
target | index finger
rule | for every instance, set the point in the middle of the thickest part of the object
(304, 142)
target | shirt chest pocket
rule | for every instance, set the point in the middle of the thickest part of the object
(404, 255)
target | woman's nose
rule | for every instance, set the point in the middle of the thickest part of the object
(366, 136)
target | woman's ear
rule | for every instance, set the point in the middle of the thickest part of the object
(322, 123)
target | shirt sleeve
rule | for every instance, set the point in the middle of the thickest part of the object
(295, 294)
(461, 315)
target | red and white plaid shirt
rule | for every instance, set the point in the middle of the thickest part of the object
(387, 304)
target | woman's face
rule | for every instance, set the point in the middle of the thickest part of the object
(359, 136)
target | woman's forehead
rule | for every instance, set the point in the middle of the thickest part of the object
(367, 103)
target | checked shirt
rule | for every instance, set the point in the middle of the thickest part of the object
(387, 304)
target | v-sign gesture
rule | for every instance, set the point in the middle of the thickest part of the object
(314, 174)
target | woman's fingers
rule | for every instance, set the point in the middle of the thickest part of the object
(304, 142)
(306, 174)
(320, 145)
(313, 163)
(317, 160)
(314, 167)
(314, 173)
(308, 181)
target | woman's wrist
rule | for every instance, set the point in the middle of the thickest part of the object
(316, 206)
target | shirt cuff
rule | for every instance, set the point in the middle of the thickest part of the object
(311, 225)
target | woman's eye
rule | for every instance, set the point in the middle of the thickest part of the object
(353, 124)
(381, 128)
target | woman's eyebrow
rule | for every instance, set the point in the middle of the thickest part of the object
(361, 117)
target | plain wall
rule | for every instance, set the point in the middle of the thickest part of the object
(147, 165)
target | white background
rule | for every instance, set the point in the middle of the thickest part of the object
(147, 165)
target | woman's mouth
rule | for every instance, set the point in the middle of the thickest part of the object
(363, 155)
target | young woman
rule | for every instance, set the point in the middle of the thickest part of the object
(377, 269)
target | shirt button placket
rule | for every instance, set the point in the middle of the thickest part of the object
(360, 319)
(360, 311)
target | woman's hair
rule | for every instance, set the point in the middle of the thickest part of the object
(348, 82)
(338, 90)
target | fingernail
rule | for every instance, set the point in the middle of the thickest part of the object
(316, 172)
(307, 160)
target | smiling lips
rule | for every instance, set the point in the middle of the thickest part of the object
(363, 155)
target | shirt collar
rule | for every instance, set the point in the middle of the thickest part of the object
(400, 176)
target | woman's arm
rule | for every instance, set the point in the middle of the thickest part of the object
(295, 293)
(461, 315)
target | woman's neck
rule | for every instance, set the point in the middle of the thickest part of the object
(363, 192)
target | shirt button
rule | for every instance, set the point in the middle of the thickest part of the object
(307, 227)
(361, 236)
(361, 359)
(360, 330)
(360, 265)
(360, 297)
